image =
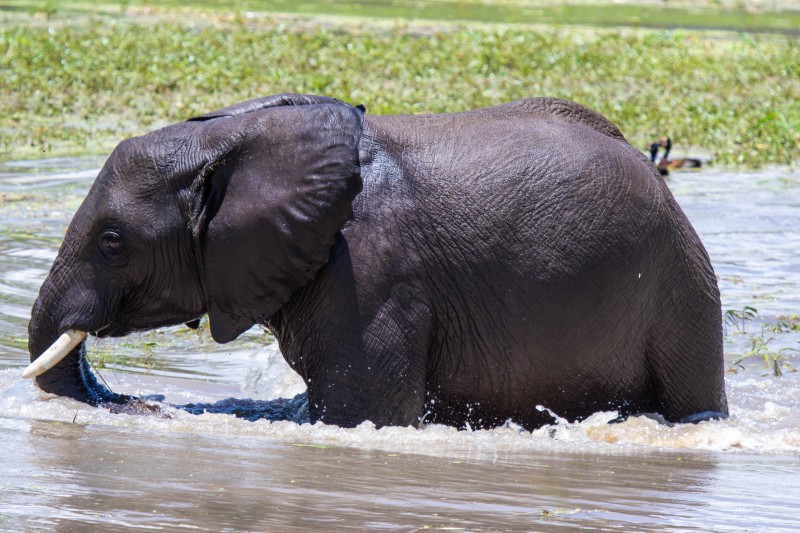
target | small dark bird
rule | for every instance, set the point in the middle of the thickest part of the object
(665, 163)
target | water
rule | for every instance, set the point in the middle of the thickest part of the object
(67, 466)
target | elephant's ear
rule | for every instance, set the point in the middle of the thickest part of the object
(268, 210)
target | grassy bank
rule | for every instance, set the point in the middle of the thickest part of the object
(768, 16)
(78, 83)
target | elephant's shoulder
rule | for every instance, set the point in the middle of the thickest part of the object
(568, 111)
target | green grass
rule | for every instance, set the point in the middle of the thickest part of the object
(74, 83)
(697, 14)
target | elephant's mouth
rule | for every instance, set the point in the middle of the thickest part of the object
(109, 330)
(117, 329)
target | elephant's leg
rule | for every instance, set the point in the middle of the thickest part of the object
(686, 362)
(380, 378)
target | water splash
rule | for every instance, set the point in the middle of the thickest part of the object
(759, 423)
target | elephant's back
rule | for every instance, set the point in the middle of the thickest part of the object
(545, 195)
(527, 109)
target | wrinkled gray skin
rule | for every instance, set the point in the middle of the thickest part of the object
(459, 268)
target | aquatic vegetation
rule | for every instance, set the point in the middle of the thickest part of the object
(785, 324)
(150, 351)
(75, 82)
(550, 513)
(113, 357)
(761, 345)
(774, 359)
(738, 318)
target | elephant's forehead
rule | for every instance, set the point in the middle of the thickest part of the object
(119, 202)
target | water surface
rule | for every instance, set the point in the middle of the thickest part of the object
(68, 466)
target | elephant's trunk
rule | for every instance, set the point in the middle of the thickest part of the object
(71, 376)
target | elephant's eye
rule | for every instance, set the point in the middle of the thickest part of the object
(112, 245)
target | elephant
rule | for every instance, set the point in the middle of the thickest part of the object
(519, 262)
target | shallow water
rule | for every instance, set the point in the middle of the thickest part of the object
(66, 465)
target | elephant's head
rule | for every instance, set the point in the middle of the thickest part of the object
(225, 214)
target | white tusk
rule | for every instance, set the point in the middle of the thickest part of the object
(58, 351)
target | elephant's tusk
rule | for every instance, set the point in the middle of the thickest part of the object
(58, 351)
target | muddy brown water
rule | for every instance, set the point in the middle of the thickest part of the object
(65, 466)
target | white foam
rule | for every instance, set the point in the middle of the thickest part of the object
(756, 425)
